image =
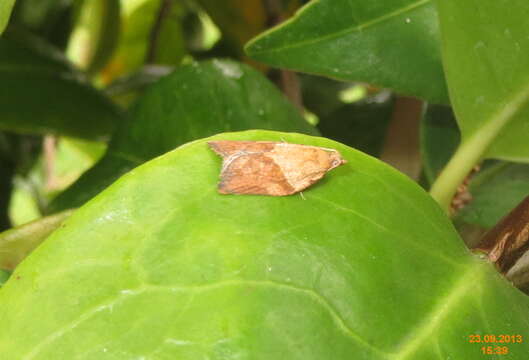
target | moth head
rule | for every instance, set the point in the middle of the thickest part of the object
(336, 159)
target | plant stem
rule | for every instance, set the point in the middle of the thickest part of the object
(163, 12)
(289, 80)
(473, 149)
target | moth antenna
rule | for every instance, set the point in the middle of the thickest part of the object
(302, 196)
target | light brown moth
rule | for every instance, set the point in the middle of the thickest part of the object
(271, 168)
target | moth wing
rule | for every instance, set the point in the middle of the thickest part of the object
(253, 174)
(227, 148)
(303, 165)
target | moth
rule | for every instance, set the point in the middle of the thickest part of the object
(271, 168)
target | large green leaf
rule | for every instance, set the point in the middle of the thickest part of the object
(197, 100)
(41, 93)
(486, 50)
(391, 44)
(5, 11)
(160, 265)
(485, 55)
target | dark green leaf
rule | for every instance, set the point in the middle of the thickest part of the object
(495, 191)
(439, 139)
(197, 100)
(160, 265)
(170, 45)
(40, 93)
(4, 275)
(361, 125)
(390, 44)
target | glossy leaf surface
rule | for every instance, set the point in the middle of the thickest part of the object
(195, 101)
(365, 263)
(486, 51)
(41, 93)
(392, 44)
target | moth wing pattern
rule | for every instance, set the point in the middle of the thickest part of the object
(255, 174)
(271, 168)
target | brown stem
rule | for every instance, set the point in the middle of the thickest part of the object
(163, 12)
(49, 148)
(289, 82)
(506, 242)
(402, 147)
(7, 172)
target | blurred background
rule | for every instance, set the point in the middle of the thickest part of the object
(121, 47)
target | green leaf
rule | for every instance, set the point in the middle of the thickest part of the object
(390, 44)
(43, 16)
(17, 243)
(485, 55)
(5, 11)
(496, 190)
(486, 49)
(364, 264)
(4, 275)
(41, 93)
(361, 125)
(197, 100)
(95, 34)
(170, 43)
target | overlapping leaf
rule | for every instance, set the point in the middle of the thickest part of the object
(486, 51)
(41, 93)
(391, 44)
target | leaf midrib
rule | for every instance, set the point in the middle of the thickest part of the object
(337, 34)
(445, 305)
